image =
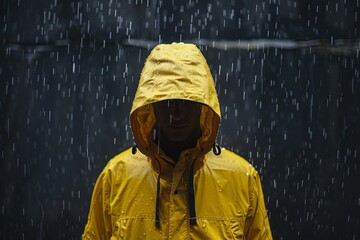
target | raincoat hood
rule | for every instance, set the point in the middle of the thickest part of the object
(175, 71)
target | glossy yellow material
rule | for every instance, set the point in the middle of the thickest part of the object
(228, 196)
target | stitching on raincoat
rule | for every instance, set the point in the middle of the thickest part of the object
(214, 219)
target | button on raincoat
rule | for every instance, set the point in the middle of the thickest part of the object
(204, 195)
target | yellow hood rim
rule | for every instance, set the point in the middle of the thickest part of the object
(175, 71)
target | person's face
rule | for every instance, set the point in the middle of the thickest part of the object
(178, 120)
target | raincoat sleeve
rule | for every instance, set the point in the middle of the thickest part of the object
(257, 223)
(99, 219)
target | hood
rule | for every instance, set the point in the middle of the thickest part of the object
(175, 71)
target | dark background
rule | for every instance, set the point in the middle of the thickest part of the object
(290, 105)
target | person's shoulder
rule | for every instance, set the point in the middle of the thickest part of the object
(232, 161)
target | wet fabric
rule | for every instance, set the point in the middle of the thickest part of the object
(229, 202)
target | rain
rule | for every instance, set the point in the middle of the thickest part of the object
(287, 73)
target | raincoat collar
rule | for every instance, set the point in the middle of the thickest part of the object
(164, 165)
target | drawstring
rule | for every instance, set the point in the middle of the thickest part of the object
(191, 196)
(157, 208)
(157, 204)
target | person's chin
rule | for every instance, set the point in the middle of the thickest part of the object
(175, 136)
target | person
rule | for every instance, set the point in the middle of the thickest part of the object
(176, 183)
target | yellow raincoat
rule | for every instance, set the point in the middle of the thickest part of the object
(228, 199)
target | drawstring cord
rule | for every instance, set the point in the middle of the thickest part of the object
(157, 204)
(157, 209)
(191, 196)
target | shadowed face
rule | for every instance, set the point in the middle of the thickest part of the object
(178, 121)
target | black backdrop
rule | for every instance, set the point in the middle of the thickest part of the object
(287, 75)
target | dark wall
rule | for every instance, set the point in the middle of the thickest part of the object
(69, 71)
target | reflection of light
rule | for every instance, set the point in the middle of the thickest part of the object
(345, 46)
(31, 51)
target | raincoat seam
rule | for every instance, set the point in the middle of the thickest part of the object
(215, 219)
(136, 217)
